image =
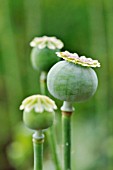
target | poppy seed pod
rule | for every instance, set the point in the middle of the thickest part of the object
(73, 80)
(38, 112)
(38, 121)
(43, 55)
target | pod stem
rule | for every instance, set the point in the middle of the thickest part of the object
(67, 110)
(43, 86)
(38, 139)
(50, 132)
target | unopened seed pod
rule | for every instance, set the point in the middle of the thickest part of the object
(38, 121)
(38, 112)
(43, 55)
(70, 81)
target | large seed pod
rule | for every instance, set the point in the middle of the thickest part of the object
(71, 82)
(38, 121)
(43, 59)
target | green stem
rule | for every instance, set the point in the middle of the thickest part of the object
(53, 146)
(38, 139)
(50, 132)
(66, 134)
(43, 87)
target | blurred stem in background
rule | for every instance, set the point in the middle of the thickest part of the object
(10, 62)
(51, 131)
(99, 39)
(108, 7)
(33, 27)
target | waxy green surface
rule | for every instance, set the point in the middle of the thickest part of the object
(71, 82)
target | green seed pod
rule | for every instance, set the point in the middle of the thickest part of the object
(71, 82)
(38, 121)
(43, 55)
(43, 59)
(38, 112)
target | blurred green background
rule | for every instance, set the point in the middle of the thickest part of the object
(85, 27)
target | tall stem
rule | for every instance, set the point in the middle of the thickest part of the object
(50, 132)
(38, 139)
(66, 134)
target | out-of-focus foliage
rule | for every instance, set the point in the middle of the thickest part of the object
(20, 149)
(86, 27)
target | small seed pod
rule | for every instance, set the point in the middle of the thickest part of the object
(43, 55)
(38, 112)
(73, 80)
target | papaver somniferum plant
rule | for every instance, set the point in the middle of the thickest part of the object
(71, 80)
(38, 115)
(43, 57)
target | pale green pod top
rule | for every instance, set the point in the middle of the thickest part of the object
(43, 55)
(38, 112)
